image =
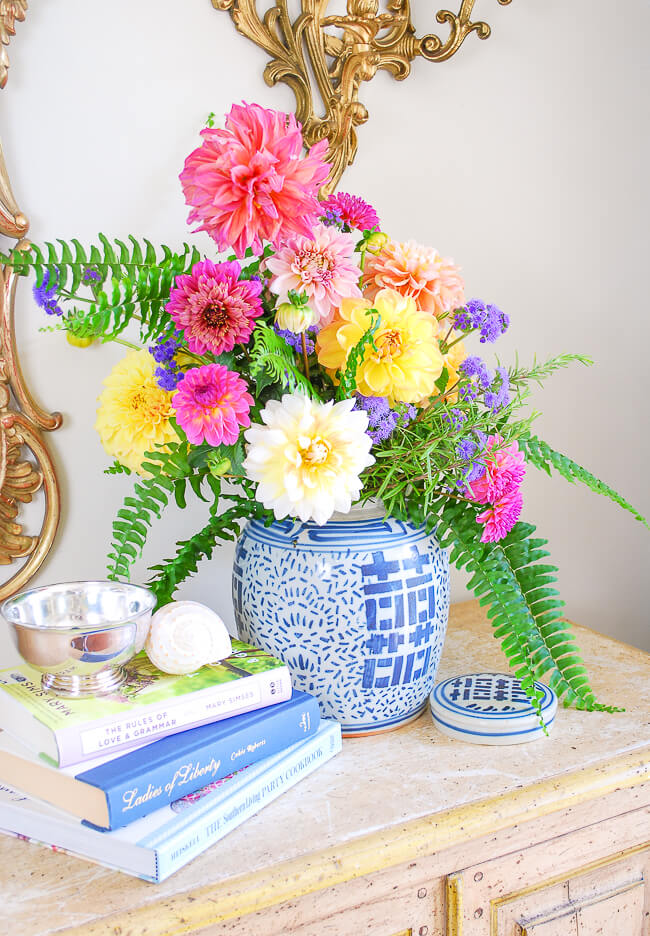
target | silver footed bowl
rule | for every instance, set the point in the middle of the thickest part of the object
(80, 634)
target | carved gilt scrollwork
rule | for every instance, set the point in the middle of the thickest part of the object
(11, 11)
(306, 52)
(21, 419)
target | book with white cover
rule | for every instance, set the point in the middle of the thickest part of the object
(162, 842)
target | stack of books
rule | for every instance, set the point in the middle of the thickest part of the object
(147, 778)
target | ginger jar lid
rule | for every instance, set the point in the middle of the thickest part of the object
(490, 708)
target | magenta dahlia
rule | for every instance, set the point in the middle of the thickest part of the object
(350, 210)
(214, 309)
(211, 404)
(501, 516)
(250, 183)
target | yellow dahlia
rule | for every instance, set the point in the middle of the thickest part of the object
(307, 457)
(407, 360)
(133, 415)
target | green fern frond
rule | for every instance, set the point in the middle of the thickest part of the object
(169, 474)
(273, 361)
(540, 454)
(171, 573)
(512, 580)
(126, 279)
(348, 382)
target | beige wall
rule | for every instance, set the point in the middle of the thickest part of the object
(524, 158)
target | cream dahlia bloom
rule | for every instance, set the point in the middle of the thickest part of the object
(433, 281)
(307, 457)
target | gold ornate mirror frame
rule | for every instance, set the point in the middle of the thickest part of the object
(319, 64)
(324, 59)
(21, 419)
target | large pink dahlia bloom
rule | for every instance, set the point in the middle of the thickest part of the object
(321, 265)
(214, 309)
(249, 183)
(413, 270)
(211, 404)
(505, 468)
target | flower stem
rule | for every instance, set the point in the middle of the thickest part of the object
(304, 354)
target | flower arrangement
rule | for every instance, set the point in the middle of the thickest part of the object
(317, 364)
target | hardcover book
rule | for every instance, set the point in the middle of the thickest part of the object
(150, 705)
(162, 842)
(113, 791)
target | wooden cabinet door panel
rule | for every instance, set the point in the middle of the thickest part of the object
(590, 882)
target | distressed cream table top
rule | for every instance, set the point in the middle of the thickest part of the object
(380, 802)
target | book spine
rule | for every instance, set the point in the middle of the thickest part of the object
(143, 724)
(213, 825)
(158, 785)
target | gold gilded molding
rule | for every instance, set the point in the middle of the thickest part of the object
(327, 66)
(21, 422)
(10, 12)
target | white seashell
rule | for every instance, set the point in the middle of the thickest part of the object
(185, 635)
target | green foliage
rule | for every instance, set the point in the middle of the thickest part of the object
(512, 580)
(348, 382)
(172, 572)
(169, 474)
(272, 361)
(541, 455)
(117, 468)
(130, 282)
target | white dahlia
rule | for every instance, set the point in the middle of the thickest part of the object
(307, 457)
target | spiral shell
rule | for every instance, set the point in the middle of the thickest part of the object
(184, 636)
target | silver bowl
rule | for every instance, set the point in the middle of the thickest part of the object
(79, 634)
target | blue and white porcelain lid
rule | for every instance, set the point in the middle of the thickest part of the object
(490, 708)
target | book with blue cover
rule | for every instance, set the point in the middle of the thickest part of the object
(155, 846)
(118, 790)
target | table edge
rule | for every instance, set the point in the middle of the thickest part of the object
(372, 853)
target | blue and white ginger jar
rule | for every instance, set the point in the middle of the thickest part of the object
(356, 608)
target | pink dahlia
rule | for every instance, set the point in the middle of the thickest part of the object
(501, 516)
(249, 182)
(214, 309)
(413, 270)
(211, 404)
(505, 468)
(350, 210)
(322, 266)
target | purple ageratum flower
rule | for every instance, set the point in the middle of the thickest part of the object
(293, 340)
(45, 295)
(332, 217)
(455, 418)
(90, 276)
(169, 377)
(353, 211)
(488, 319)
(475, 366)
(165, 349)
(495, 324)
(382, 420)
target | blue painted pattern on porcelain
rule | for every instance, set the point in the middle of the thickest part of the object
(357, 609)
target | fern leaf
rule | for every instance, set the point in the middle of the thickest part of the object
(509, 578)
(169, 473)
(540, 454)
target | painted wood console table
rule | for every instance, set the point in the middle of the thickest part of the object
(406, 834)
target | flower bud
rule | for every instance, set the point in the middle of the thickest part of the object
(218, 466)
(77, 341)
(294, 318)
(376, 241)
